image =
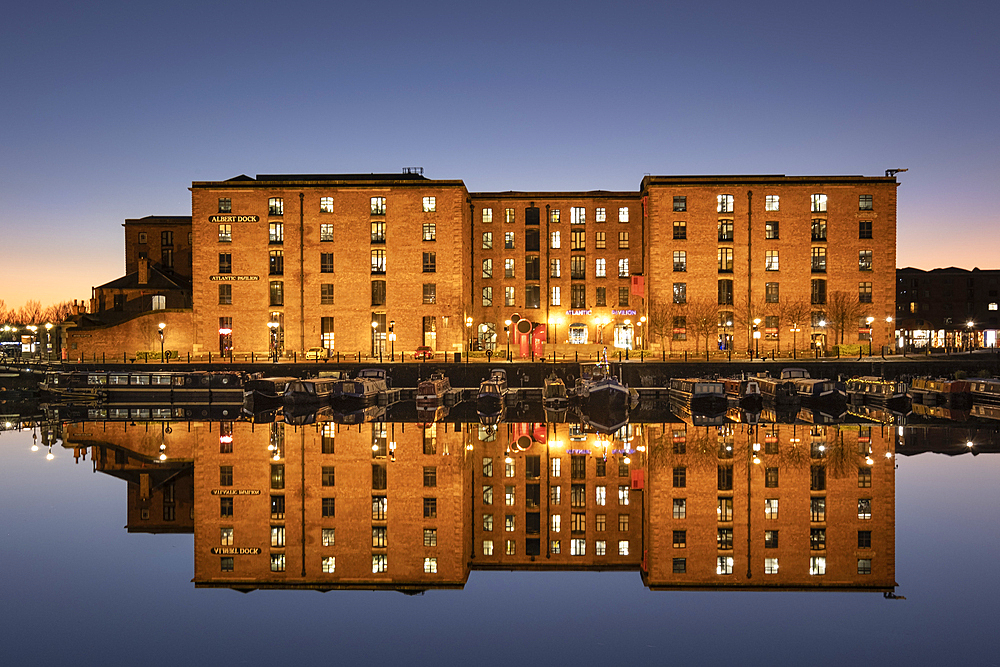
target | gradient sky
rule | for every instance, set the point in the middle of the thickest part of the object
(111, 109)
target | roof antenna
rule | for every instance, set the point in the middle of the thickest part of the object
(891, 173)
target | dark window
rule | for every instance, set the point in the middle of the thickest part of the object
(818, 292)
(680, 539)
(532, 296)
(328, 478)
(623, 296)
(578, 467)
(326, 262)
(725, 260)
(378, 292)
(430, 508)
(864, 229)
(379, 480)
(277, 293)
(602, 296)
(725, 292)
(680, 204)
(864, 478)
(680, 478)
(329, 507)
(225, 506)
(429, 262)
(771, 292)
(531, 242)
(577, 267)
(771, 229)
(864, 539)
(725, 478)
(166, 238)
(277, 507)
(771, 478)
(225, 296)
(430, 293)
(531, 268)
(225, 262)
(680, 565)
(225, 205)
(817, 509)
(430, 476)
(864, 292)
(680, 230)
(578, 295)
(817, 538)
(326, 294)
(225, 475)
(532, 216)
(817, 478)
(819, 260)
(818, 229)
(276, 263)
(532, 467)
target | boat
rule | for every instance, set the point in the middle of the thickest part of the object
(264, 393)
(698, 395)
(554, 395)
(808, 387)
(986, 411)
(876, 390)
(984, 390)
(311, 391)
(144, 386)
(950, 413)
(366, 386)
(430, 392)
(746, 392)
(940, 391)
(603, 400)
(777, 390)
(492, 395)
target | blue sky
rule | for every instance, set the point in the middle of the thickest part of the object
(113, 109)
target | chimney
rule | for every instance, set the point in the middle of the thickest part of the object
(143, 271)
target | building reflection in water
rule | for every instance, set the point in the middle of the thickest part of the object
(411, 507)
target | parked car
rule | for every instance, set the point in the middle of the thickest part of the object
(424, 352)
(317, 353)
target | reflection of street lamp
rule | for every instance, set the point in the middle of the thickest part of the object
(468, 338)
(392, 339)
(642, 336)
(969, 324)
(554, 321)
(272, 330)
(869, 320)
(756, 337)
(161, 326)
(506, 330)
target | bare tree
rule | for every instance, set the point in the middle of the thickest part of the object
(796, 315)
(30, 312)
(843, 311)
(703, 320)
(58, 312)
(660, 322)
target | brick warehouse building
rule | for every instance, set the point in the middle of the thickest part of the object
(685, 263)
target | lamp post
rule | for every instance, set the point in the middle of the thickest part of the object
(888, 331)
(272, 332)
(225, 342)
(642, 334)
(795, 330)
(869, 320)
(375, 339)
(392, 340)
(756, 337)
(506, 330)
(468, 338)
(34, 339)
(48, 340)
(161, 326)
(969, 324)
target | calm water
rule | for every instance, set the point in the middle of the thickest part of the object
(81, 589)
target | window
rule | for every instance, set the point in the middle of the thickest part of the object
(226, 537)
(817, 539)
(680, 292)
(328, 537)
(555, 268)
(531, 268)
(429, 231)
(276, 262)
(724, 204)
(864, 566)
(429, 262)
(680, 508)
(430, 508)
(508, 494)
(623, 214)
(554, 216)
(277, 475)
(577, 270)
(771, 478)
(429, 204)
(623, 267)
(379, 507)
(680, 539)
(819, 203)
(487, 215)
(277, 507)
(328, 507)
(508, 296)
(864, 539)
(771, 202)
(865, 203)
(680, 565)
(725, 478)
(725, 292)
(771, 508)
(601, 215)
(599, 267)
(329, 564)
(817, 478)
(275, 206)
(577, 215)
(225, 295)
(276, 232)
(277, 293)
(818, 229)
(430, 293)
(770, 260)
(724, 539)
(487, 268)
(225, 475)
(725, 230)
(556, 298)
(487, 240)
(623, 547)
(602, 296)
(326, 204)
(623, 296)
(277, 562)
(819, 260)
(601, 495)
(378, 292)
(326, 232)
(225, 206)
(623, 240)
(680, 478)
(508, 523)
(864, 229)
(326, 262)
(680, 328)
(508, 240)
(555, 240)
(430, 565)
(771, 292)
(864, 508)
(771, 229)
(724, 565)
(225, 233)
(725, 260)
(770, 539)
(680, 260)
(225, 263)
(864, 260)
(578, 547)
(277, 536)
(770, 566)
(724, 508)
(380, 563)
(578, 495)
(680, 230)
(818, 287)
(817, 565)
(864, 292)
(555, 495)
(817, 509)
(577, 240)
(680, 204)
(378, 205)
(508, 215)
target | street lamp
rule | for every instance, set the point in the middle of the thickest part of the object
(795, 330)
(756, 337)
(554, 321)
(506, 330)
(889, 334)
(969, 324)
(468, 338)
(272, 332)
(375, 341)
(392, 339)
(642, 336)
(225, 342)
(161, 326)
(48, 340)
(869, 320)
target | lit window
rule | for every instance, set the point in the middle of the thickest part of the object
(487, 240)
(623, 268)
(623, 214)
(430, 204)
(770, 566)
(275, 206)
(326, 232)
(380, 563)
(508, 215)
(277, 536)
(724, 203)
(819, 203)
(487, 296)
(817, 565)
(771, 508)
(600, 548)
(277, 562)
(602, 493)
(226, 537)
(865, 203)
(771, 202)
(680, 260)
(555, 546)
(508, 296)
(600, 240)
(623, 494)
(992, 306)
(510, 547)
(601, 215)
(623, 547)
(328, 537)
(680, 508)
(578, 547)
(508, 495)
(430, 564)
(680, 230)
(487, 215)
(508, 268)
(225, 233)
(430, 231)
(329, 564)
(724, 565)
(771, 229)
(599, 268)
(864, 260)
(864, 566)
(555, 240)
(680, 292)
(378, 205)
(556, 299)
(508, 524)
(508, 240)
(577, 215)
(554, 215)
(378, 261)
(326, 204)
(555, 268)
(487, 547)
(770, 260)
(623, 240)
(864, 508)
